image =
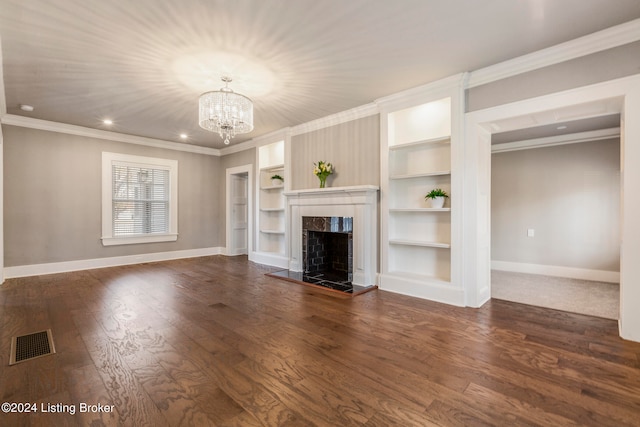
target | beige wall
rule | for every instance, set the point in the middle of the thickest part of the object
(610, 64)
(52, 198)
(570, 196)
(352, 147)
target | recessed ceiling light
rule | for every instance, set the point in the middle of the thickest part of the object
(107, 122)
(561, 127)
(183, 135)
(25, 107)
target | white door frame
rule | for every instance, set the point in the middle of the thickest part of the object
(477, 190)
(239, 170)
(1, 200)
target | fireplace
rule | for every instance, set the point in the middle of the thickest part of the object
(327, 248)
(345, 213)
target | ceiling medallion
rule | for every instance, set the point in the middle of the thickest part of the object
(226, 112)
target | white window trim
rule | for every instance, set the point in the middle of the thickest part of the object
(108, 159)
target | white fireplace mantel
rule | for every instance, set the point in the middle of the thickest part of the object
(359, 202)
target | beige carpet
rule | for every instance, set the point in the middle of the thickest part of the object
(577, 296)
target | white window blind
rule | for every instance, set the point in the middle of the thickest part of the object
(140, 200)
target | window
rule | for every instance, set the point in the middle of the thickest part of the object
(139, 199)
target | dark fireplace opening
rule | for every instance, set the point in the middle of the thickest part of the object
(327, 251)
(330, 253)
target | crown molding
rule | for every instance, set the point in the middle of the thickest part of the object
(550, 141)
(271, 137)
(28, 122)
(275, 136)
(236, 148)
(609, 38)
(336, 119)
(417, 95)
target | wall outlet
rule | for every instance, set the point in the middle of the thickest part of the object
(531, 232)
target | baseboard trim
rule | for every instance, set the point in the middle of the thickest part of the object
(422, 287)
(558, 271)
(270, 259)
(89, 264)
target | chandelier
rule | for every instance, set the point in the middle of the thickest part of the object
(226, 112)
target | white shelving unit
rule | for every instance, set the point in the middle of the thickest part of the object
(416, 231)
(419, 249)
(271, 215)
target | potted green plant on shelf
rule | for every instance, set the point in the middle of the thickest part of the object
(277, 180)
(436, 198)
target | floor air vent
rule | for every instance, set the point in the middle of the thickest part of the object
(30, 346)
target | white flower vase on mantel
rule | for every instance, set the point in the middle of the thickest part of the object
(436, 202)
(276, 182)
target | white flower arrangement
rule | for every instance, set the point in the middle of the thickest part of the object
(322, 170)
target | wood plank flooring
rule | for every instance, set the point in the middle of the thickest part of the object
(213, 341)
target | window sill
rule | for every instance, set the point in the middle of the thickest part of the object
(152, 238)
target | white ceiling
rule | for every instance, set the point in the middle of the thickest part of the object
(144, 63)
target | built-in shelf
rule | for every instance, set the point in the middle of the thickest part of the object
(430, 141)
(271, 245)
(420, 175)
(273, 167)
(419, 210)
(272, 231)
(407, 242)
(416, 240)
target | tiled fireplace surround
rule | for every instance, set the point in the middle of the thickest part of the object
(327, 246)
(359, 203)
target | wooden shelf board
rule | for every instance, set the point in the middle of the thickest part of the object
(430, 141)
(424, 210)
(273, 187)
(272, 209)
(272, 231)
(273, 167)
(420, 175)
(407, 242)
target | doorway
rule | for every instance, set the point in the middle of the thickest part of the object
(555, 216)
(239, 210)
(621, 96)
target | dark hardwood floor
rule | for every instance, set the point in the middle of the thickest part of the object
(213, 341)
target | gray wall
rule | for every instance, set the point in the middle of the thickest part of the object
(52, 198)
(569, 194)
(352, 147)
(610, 64)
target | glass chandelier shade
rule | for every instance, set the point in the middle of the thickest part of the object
(226, 112)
